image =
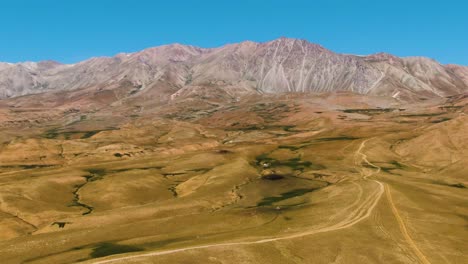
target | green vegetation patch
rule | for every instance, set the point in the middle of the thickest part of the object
(201, 170)
(163, 243)
(130, 169)
(271, 112)
(100, 172)
(107, 249)
(395, 165)
(252, 127)
(336, 138)
(262, 158)
(96, 174)
(457, 185)
(440, 120)
(89, 134)
(51, 133)
(76, 198)
(28, 166)
(173, 190)
(61, 224)
(294, 163)
(56, 133)
(288, 128)
(292, 148)
(450, 107)
(369, 111)
(268, 201)
(422, 115)
(453, 185)
(169, 174)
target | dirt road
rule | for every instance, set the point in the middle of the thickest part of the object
(363, 211)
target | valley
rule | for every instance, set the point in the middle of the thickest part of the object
(277, 178)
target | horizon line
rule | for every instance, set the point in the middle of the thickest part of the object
(221, 46)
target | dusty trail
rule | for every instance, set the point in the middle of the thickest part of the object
(422, 258)
(361, 215)
(16, 216)
(363, 211)
(358, 215)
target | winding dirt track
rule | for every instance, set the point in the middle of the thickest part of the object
(422, 258)
(362, 212)
(403, 229)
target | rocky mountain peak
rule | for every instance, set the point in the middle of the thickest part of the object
(281, 65)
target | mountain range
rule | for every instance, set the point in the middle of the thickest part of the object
(276, 152)
(282, 65)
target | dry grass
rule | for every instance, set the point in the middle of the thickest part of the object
(288, 183)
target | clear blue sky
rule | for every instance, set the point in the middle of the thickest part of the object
(73, 30)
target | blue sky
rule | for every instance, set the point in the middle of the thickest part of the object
(72, 30)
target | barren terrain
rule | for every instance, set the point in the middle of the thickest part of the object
(275, 178)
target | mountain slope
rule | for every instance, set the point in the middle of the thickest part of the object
(282, 65)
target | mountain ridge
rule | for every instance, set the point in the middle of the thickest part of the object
(281, 65)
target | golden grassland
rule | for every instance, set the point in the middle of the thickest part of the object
(280, 180)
